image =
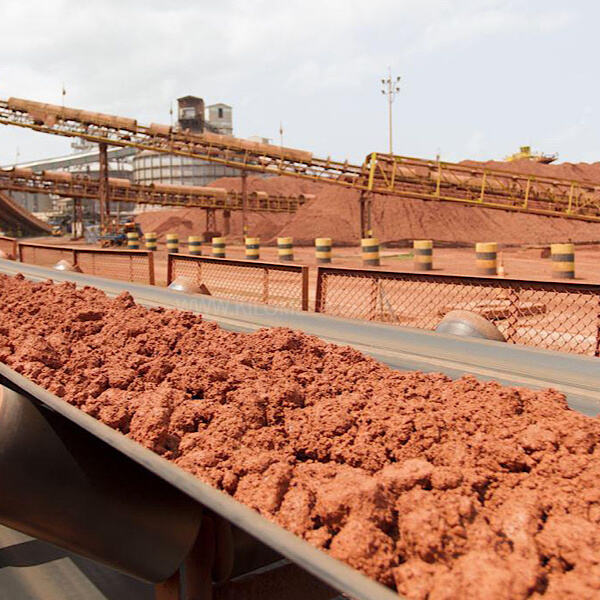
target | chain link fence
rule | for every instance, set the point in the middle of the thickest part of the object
(136, 266)
(552, 315)
(44, 255)
(563, 316)
(8, 245)
(242, 280)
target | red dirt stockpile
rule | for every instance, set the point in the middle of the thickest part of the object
(192, 221)
(334, 213)
(442, 489)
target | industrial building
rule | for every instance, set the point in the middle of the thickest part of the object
(157, 167)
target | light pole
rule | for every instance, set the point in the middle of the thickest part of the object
(390, 88)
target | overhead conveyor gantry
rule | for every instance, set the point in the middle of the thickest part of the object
(380, 173)
(71, 185)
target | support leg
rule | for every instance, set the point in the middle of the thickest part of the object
(103, 188)
(199, 563)
(74, 220)
(244, 202)
(226, 222)
(211, 221)
(365, 215)
(169, 589)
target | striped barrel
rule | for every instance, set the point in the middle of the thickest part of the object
(172, 243)
(563, 260)
(486, 257)
(252, 248)
(323, 250)
(423, 253)
(285, 249)
(150, 239)
(133, 240)
(194, 245)
(370, 251)
(218, 247)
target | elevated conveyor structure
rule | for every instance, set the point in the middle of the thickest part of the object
(380, 173)
(71, 185)
(15, 219)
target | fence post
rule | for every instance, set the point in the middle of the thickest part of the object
(20, 251)
(304, 288)
(319, 300)
(150, 256)
(169, 268)
(265, 297)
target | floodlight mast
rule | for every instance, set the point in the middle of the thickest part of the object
(390, 87)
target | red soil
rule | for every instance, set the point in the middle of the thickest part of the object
(577, 171)
(334, 213)
(442, 489)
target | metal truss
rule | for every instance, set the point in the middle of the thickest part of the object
(380, 173)
(122, 190)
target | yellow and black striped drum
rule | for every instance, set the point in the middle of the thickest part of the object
(370, 251)
(133, 240)
(423, 254)
(486, 258)
(252, 248)
(218, 247)
(150, 239)
(323, 250)
(172, 243)
(194, 245)
(563, 261)
(285, 249)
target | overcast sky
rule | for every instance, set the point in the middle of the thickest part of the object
(479, 77)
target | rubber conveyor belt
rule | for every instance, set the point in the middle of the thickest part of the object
(401, 348)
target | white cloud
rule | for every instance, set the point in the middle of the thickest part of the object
(315, 65)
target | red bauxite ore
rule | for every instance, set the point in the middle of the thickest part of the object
(441, 489)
